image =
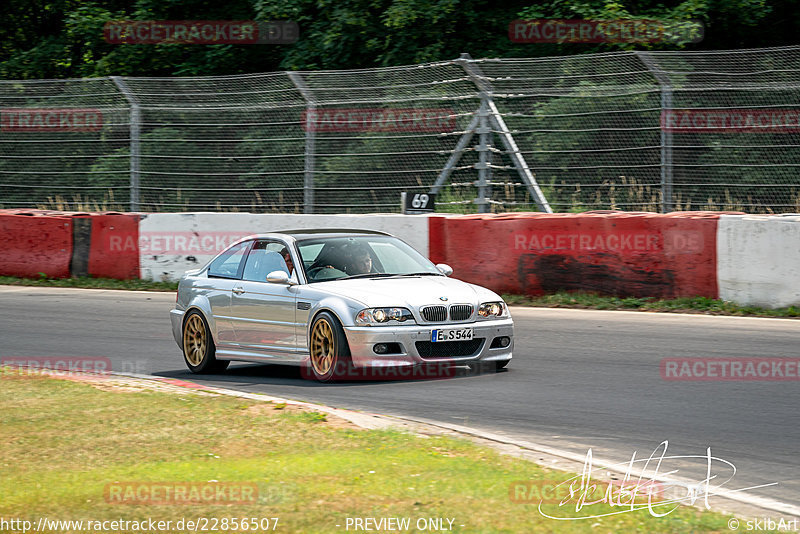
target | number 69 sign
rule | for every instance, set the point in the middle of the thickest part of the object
(416, 202)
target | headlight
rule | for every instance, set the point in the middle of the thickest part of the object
(492, 309)
(373, 316)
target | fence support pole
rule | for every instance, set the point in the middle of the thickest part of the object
(311, 140)
(496, 119)
(454, 158)
(483, 165)
(135, 132)
(666, 137)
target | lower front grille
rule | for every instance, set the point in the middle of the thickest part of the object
(449, 349)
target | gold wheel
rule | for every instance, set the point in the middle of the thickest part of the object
(323, 347)
(195, 339)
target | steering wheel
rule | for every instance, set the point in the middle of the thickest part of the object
(314, 271)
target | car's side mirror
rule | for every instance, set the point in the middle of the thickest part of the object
(444, 269)
(278, 277)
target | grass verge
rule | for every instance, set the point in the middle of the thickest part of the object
(588, 301)
(90, 283)
(64, 443)
(701, 305)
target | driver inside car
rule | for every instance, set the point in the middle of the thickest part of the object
(360, 262)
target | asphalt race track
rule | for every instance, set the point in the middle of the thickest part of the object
(579, 379)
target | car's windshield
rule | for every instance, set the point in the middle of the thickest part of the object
(332, 258)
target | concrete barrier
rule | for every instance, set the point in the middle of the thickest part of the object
(759, 259)
(33, 244)
(106, 257)
(172, 243)
(611, 253)
(66, 243)
(748, 259)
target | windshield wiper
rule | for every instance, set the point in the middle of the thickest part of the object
(368, 275)
(387, 275)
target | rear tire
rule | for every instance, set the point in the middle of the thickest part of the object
(329, 354)
(198, 345)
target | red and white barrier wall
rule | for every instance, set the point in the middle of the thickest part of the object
(62, 244)
(743, 258)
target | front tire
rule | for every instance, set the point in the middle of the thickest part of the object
(329, 353)
(198, 345)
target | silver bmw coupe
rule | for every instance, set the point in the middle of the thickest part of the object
(332, 301)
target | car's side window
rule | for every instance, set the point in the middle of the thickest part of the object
(229, 263)
(264, 258)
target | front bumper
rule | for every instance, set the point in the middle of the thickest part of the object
(362, 339)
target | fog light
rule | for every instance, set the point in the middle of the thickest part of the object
(381, 348)
(501, 342)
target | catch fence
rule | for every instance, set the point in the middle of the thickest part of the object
(651, 131)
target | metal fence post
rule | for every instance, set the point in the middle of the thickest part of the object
(455, 156)
(666, 137)
(135, 132)
(311, 140)
(483, 165)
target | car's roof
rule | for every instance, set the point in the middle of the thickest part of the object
(316, 233)
(312, 233)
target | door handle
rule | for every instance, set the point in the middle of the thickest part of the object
(238, 290)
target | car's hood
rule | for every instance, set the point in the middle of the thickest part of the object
(410, 292)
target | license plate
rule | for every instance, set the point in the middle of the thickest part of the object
(451, 334)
